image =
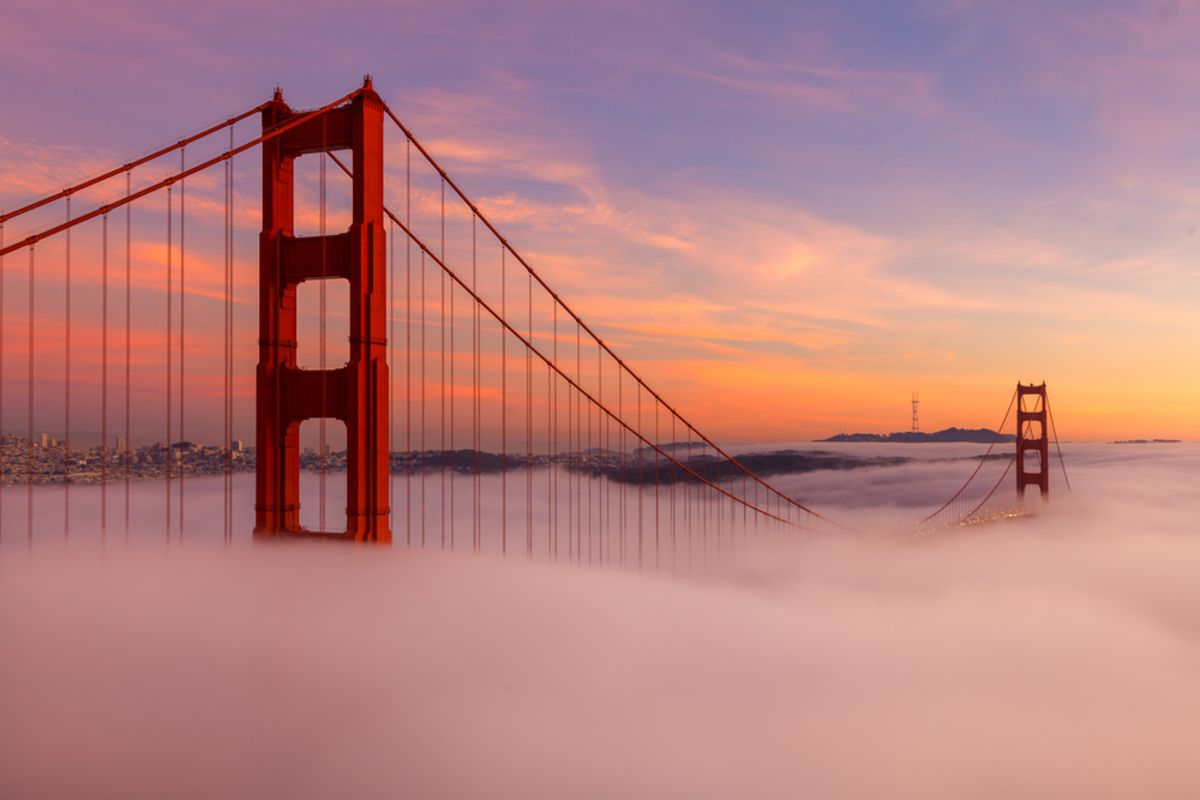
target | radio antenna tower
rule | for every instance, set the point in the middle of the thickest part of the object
(915, 402)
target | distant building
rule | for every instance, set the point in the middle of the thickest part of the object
(237, 445)
(45, 440)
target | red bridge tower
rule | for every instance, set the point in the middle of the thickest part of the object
(356, 393)
(1032, 439)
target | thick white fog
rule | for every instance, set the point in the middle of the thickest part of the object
(1053, 656)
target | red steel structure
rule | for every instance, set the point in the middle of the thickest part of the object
(465, 369)
(1033, 439)
(356, 393)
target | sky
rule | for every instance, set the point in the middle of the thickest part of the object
(788, 216)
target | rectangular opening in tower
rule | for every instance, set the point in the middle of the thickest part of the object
(338, 204)
(334, 488)
(337, 323)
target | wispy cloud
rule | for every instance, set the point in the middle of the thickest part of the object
(821, 87)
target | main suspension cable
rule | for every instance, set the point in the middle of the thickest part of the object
(170, 455)
(130, 165)
(104, 382)
(595, 337)
(128, 454)
(1057, 446)
(182, 295)
(982, 460)
(66, 443)
(267, 136)
(584, 394)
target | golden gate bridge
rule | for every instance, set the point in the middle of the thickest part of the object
(464, 367)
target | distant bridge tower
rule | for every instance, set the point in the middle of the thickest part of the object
(356, 393)
(915, 401)
(1033, 442)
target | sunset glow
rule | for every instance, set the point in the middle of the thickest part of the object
(792, 204)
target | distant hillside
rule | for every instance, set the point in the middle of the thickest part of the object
(972, 435)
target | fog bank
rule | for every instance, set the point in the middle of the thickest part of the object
(1052, 657)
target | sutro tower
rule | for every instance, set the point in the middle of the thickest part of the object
(915, 402)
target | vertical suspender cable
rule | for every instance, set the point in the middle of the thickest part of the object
(745, 510)
(409, 462)
(227, 434)
(720, 501)
(576, 464)
(613, 521)
(170, 449)
(671, 490)
(579, 431)
(228, 353)
(29, 419)
(602, 445)
(621, 463)
(718, 510)
(702, 507)
(640, 475)
(529, 425)
(424, 385)
(4, 441)
(594, 549)
(232, 311)
(104, 381)
(321, 423)
(183, 454)
(688, 518)
(477, 519)
(591, 481)
(391, 322)
(549, 461)
(756, 514)
(128, 455)
(454, 469)
(554, 442)
(503, 406)
(229, 341)
(66, 443)
(442, 382)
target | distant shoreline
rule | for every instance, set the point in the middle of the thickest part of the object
(949, 435)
